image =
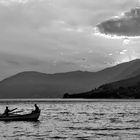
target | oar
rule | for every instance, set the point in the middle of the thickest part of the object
(13, 110)
(18, 111)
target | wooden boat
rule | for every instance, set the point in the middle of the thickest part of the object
(33, 116)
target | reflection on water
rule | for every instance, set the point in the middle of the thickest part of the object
(76, 121)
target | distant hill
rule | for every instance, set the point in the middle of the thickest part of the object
(32, 84)
(128, 88)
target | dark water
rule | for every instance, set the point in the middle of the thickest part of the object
(75, 121)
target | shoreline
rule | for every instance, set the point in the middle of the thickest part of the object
(66, 100)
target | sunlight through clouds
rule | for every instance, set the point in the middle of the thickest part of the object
(63, 32)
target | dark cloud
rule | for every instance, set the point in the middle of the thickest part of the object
(125, 25)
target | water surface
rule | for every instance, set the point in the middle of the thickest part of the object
(76, 121)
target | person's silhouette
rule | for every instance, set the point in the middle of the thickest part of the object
(36, 109)
(7, 111)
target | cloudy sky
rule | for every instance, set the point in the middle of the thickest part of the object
(66, 35)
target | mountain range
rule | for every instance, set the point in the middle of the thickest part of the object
(31, 84)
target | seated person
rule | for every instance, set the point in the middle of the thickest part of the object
(36, 109)
(7, 111)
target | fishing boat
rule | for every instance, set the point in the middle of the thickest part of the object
(33, 116)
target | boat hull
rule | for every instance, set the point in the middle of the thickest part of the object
(25, 117)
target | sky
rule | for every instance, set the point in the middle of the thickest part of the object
(53, 36)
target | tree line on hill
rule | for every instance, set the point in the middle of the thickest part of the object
(109, 92)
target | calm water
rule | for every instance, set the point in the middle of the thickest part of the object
(76, 121)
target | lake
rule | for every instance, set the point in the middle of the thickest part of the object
(75, 121)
